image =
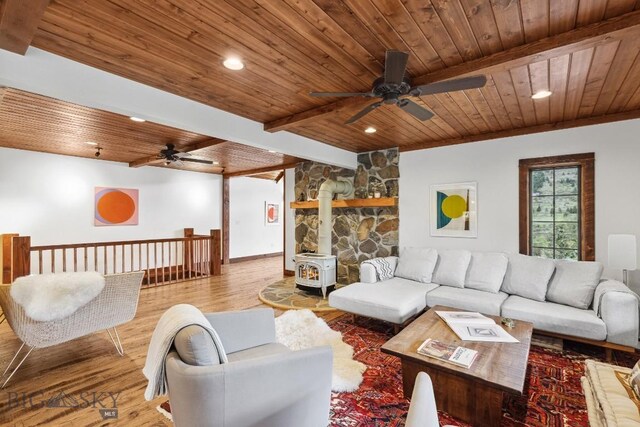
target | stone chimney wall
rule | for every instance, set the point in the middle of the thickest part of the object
(358, 233)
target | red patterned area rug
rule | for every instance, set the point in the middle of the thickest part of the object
(553, 394)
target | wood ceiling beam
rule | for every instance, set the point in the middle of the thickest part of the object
(550, 47)
(19, 20)
(586, 121)
(202, 144)
(279, 177)
(154, 160)
(146, 161)
(304, 116)
(260, 170)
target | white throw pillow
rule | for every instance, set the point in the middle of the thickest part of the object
(574, 283)
(417, 264)
(528, 276)
(451, 268)
(486, 271)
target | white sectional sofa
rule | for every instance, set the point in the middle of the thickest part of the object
(568, 298)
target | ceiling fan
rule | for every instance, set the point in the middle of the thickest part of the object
(394, 87)
(171, 155)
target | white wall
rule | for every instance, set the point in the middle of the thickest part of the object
(51, 198)
(248, 233)
(290, 219)
(494, 165)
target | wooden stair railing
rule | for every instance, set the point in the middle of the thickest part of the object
(164, 261)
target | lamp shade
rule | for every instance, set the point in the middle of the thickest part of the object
(622, 251)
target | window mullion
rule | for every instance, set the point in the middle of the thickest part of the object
(553, 191)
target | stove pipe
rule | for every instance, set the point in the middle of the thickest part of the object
(325, 195)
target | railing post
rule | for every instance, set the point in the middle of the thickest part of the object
(188, 250)
(215, 253)
(5, 257)
(20, 257)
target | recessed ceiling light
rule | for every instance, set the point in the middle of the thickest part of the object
(541, 94)
(137, 119)
(370, 129)
(91, 143)
(272, 151)
(216, 163)
(234, 64)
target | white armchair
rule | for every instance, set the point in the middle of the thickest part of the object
(115, 305)
(263, 384)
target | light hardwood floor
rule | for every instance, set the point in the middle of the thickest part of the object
(91, 364)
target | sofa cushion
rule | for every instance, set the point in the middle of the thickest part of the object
(486, 271)
(196, 347)
(451, 268)
(528, 276)
(558, 318)
(395, 300)
(610, 402)
(574, 283)
(467, 299)
(417, 264)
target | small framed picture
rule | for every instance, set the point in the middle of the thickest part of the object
(271, 213)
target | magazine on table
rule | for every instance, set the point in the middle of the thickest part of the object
(448, 352)
(471, 326)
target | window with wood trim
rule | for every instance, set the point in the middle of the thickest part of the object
(557, 207)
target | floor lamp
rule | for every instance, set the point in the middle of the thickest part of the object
(622, 254)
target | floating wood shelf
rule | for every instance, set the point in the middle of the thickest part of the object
(349, 203)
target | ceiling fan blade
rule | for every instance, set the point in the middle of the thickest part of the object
(369, 108)
(395, 65)
(415, 110)
(464, 83)
(181, 154)
(339, 94)
(187, 159)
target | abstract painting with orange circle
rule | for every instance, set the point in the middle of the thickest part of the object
(116, 206)
(454, 210)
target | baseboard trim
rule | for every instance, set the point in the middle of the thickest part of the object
(254, 257)
(289, 273)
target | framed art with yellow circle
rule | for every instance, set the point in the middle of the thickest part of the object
(454, 210)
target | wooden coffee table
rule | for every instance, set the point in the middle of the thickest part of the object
(472, 395)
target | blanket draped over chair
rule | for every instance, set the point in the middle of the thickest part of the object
(47, 297)
(172, 321)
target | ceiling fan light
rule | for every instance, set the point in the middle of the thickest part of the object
(233, 63)
(137, 119)
(370, 129)
(541, 94)
(215, 163)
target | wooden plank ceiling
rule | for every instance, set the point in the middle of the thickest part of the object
(584, 51)
(37, 123)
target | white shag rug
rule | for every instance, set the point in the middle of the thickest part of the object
(300, 329)
(47, 297)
